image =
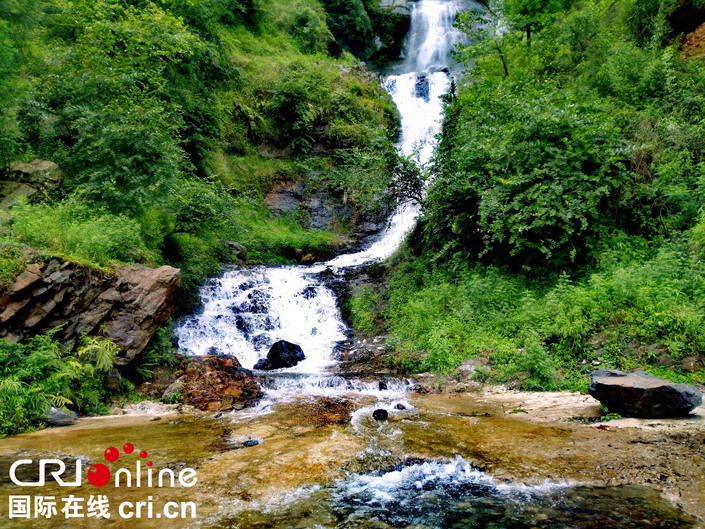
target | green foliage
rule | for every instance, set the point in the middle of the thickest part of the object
(364, 311)
(174, 398)
(310, 30)
(37, 374)
(349, 22)
(530, 168)
(158, 112)
(12, 263)
(160, 352)
(547, 333)
(75, 230)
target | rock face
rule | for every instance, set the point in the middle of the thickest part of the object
(34, 180)
(639, 394)
(398, 7)
(281, 354)
(218, 383)
(319, 208)
(126, 308)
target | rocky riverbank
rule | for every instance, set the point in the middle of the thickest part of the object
(312, 441)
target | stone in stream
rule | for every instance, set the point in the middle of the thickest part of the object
(218, 383)
(57, 417)
(380, 415)
(639, 394)
(281, 354)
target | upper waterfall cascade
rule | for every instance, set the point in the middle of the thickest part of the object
(246, 310)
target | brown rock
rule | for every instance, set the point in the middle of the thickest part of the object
(149, 302)
(25, 281)
(126, 308)
(219, 383)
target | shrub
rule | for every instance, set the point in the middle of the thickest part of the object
(74, 229)
(37, 374)
(524, 171)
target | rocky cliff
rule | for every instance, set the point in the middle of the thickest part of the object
(125, 307)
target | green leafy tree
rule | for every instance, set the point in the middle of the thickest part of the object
(484, 28)
(349, 22)
(531, 15)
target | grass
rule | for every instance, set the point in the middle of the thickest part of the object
(12, 262)
(545, 333)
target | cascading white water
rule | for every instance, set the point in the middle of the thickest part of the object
(246, 310)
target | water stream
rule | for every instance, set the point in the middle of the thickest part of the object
(311, 455)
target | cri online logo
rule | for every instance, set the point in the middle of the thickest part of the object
(99, 474)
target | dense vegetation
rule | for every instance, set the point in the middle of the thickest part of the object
(171, 120)
(38, 374)
(563, 228)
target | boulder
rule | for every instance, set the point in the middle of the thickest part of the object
(281, 354)
(218, 383)
(237, 250)
(380, 415)
(57, 417)
(639, 394)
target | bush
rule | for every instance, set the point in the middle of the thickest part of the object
(349, 22)
(524, 171)
(37, 374)
(12, 263)
(76, 230)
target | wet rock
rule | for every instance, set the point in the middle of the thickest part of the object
(113, 380)
(400, 406)
(327, 410)
(282, 354)
(382, 385)
(57, 417)
(422, 88)
(309, 292)
(639, 394)
(219, 383)
(380, 415)
(261, 341)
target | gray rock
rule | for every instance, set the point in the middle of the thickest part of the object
(639, 394)
(57, 417)
(175, 387)
(237, 250)
(113, 380)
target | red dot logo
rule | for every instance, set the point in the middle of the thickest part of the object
(99, 475)
(112, 454)
(143, 454)
(128, 448)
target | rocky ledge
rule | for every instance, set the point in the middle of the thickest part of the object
(639, 394)
(125, 307)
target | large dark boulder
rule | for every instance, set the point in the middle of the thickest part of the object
(281, 354)
(639, 394)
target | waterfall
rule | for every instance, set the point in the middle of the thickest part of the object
(246, 310)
